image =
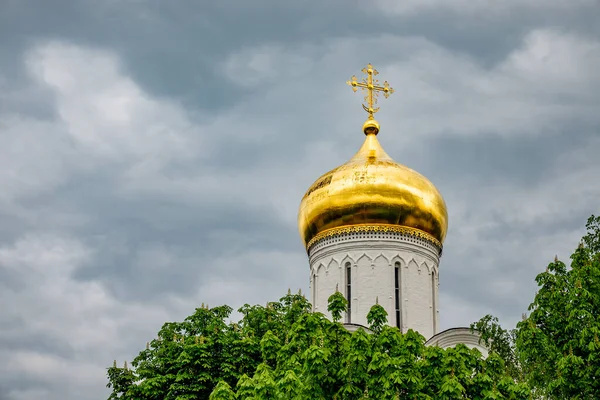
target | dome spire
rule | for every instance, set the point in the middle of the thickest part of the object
(371, 85)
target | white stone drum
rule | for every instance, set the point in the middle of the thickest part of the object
(389, 265)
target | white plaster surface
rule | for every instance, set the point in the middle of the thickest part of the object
(373, 257)
(453, 336)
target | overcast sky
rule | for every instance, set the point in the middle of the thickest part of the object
(153, 155)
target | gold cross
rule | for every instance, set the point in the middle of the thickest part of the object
(372, 87)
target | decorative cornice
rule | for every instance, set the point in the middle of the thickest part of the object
(374, 228)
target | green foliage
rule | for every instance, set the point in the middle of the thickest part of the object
(283, 351)
(377, 318)
(120, 380)
(499, 341)
(556, 349)
(269, 346)
(558, 343)
(222, 392)
(336, 305)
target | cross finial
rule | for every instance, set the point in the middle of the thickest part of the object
(371, 85)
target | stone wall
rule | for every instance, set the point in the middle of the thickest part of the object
(372, 258)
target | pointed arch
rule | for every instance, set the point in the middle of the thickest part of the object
(386, 261)
(398, 259)
(318, 268)
(321, 266)
(347, 259)
(364, 255)
(425, 265)
(332, 263)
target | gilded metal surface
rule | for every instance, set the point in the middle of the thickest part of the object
(372, 87)
(374, 228)
(372, 188)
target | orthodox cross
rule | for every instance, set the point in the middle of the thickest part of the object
(372, 87)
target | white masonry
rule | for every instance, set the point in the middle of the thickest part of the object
(399, 270)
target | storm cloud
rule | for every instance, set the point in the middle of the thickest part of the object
(153, 156)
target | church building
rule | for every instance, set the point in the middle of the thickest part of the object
(374, 230)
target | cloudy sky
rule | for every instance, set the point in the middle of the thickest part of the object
(153, 155)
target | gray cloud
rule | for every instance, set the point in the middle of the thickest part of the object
(153, 157)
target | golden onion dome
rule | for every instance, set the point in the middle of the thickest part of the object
(372, 190)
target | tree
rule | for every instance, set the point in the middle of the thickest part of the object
(283, 351)
(556, 349)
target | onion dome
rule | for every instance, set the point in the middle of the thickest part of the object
(372, 192)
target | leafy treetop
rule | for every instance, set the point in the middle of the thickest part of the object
(283, 351)
(556, 349)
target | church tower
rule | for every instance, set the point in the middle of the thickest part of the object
(373, 229)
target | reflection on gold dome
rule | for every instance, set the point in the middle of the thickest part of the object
(372, 189)
(372, 192)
